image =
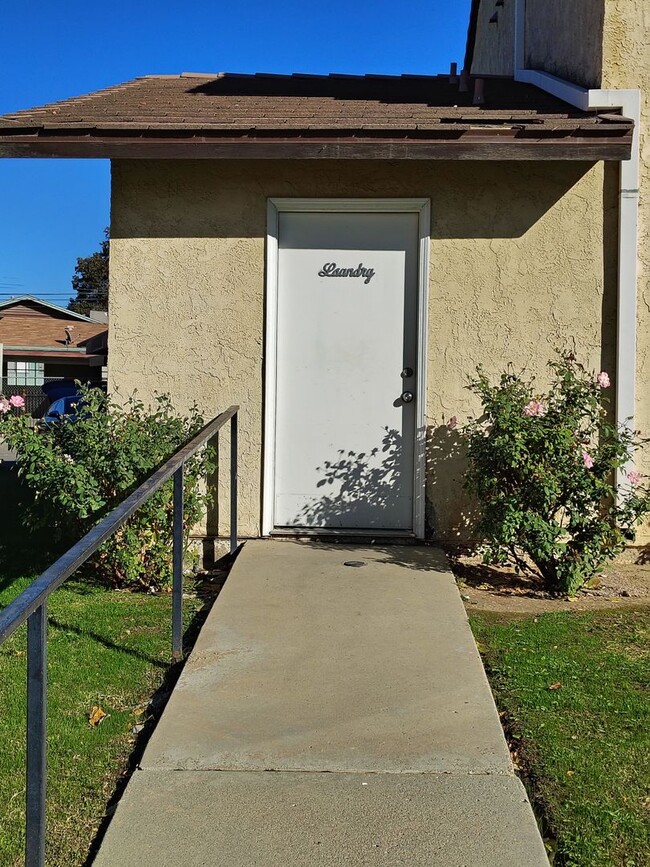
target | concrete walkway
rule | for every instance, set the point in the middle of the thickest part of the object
(329, 715)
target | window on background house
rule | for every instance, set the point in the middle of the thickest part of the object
(25, 373)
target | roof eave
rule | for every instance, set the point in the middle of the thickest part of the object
(470, 145)
(70, 314)
(12, 348)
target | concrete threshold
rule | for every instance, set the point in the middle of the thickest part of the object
(329, 714)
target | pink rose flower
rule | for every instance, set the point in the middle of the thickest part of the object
(17, 401)
(634, 477)
(535, 407)
(5, 406)
(587, 460)
(603, 379)
(452, 424)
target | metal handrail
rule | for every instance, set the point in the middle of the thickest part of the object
(31, 606)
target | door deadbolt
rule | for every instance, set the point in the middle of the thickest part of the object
(407, 396)
(407, 372)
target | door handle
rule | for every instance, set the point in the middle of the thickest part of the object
(407, 396)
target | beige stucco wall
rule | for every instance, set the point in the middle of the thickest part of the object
(596, 43)
(626, 64)
(517, 266)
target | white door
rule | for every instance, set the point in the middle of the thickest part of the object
(346, 370)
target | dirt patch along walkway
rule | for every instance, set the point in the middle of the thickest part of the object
(626, 582)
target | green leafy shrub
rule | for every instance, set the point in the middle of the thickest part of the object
(542, 468)
(79, 469)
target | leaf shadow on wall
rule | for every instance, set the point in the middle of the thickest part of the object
(358, 491)
(451, 514)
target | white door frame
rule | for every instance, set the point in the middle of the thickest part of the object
(422, 208)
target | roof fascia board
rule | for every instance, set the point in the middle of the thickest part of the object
(476, 147)
(78, 350)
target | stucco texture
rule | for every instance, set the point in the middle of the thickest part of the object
(596, 44)
(517, 267)
(626, 64)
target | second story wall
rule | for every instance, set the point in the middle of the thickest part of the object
(565, 39)
(494, 40)
(562, 38)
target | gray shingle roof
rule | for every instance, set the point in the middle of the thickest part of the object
(264, 108)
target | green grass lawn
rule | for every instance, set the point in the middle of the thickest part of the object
(105, 648)
(575, 692)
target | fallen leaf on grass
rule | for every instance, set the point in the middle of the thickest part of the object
(556, 685)
(570, 773)
(97, 715)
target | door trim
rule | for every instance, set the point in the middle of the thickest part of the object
(422, 208)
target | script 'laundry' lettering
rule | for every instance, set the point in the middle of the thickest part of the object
(330, 269)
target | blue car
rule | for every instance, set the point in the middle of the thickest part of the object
(68, 406)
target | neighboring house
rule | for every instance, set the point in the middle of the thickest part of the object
(338, 253)
(41, 343)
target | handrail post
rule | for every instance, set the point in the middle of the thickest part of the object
(36, 737)
(177, 560)
(31, 607)
(233, 483)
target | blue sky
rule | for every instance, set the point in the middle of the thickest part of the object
(52, 211)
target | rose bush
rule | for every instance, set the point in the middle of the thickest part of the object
(84, 465)
(542, 468)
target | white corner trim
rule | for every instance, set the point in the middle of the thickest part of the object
(520, 35)
(420, 463)
(270, 365)
(629, 102)
(420, 206)
(565, 90)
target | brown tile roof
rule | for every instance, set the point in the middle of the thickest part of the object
(27, 324)
(244, 115)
